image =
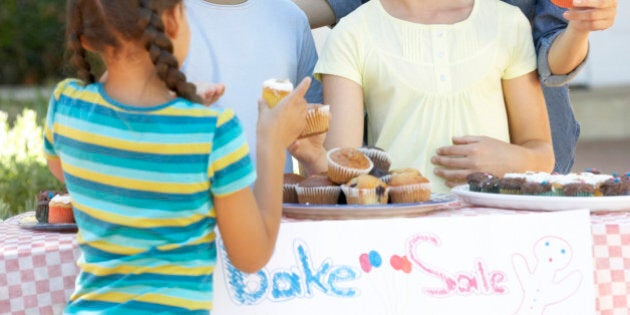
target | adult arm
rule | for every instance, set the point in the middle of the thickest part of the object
(530, 147)
(326, 12)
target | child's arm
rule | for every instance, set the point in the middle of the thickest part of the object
(530, 148)
(54, 165)
(249, 222)
(569, 49)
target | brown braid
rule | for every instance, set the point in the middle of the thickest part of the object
(161, 51)
(101, 24)
(78, 54)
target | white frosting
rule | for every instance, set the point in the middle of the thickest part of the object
(279, 85)
(62, 199)
(321, 108)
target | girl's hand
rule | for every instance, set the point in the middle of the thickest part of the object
(591, 15)
(210, 92)
(311, 154)
(470, 154)
(283, 124)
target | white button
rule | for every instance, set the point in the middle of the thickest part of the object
(440, 34)
(440, 54)
(442, 77)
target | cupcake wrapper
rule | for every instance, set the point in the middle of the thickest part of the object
(510, 191)
(410, 193)
(317, 121)
(318, 195)
(289, 194)
(381, 159)
(60, 214)
(358, 196)
(340, 174)
(41, 212)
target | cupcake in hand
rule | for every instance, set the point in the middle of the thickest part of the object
(317, 120)
(275, 90)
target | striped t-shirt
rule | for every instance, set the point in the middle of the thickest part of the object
(142, 182)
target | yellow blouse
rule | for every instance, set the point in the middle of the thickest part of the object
(423, 84)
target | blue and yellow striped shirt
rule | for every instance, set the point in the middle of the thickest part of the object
(142, 182)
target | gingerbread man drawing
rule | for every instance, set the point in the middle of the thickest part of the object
(540, 284)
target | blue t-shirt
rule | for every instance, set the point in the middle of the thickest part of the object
(243, 45)
(142, 182)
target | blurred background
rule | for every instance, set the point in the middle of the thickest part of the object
(32, 59)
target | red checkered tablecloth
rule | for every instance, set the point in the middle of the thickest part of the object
(37, 269)
(611, 252)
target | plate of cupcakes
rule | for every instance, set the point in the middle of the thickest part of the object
(53, 213)
(548, 192)
(360, 185)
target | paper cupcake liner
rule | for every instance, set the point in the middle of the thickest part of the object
(410, 193)
(327, 195)
(289, 194)
(339, 174)
(317, 121)
(364, 196)
(381, 159)
(509, 191)
(60, 214)
(41, 212)
(563, 3)
(385, 179)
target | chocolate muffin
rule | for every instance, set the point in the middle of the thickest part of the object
(43, 199)
(511, 185)
(290, 181)
(476, 180)
(536, 188)
(615, 187)
(317, 189)
(578, 189)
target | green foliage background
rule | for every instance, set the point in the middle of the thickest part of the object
(31, 41)
(23, 170)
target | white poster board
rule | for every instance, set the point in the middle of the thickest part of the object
(535, 263)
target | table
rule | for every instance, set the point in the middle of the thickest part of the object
(38, 270)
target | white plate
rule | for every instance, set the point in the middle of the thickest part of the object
(544, 203)
(343, 212)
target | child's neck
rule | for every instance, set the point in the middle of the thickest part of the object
(227, 2)
(134, 82)
(429, 11)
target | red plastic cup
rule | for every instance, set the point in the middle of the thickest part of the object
(567, 4)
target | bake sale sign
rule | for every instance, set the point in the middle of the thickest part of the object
(533, 263)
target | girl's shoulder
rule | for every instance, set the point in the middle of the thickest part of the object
(71, 86)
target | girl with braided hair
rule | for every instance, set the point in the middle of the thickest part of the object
(151, 172)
